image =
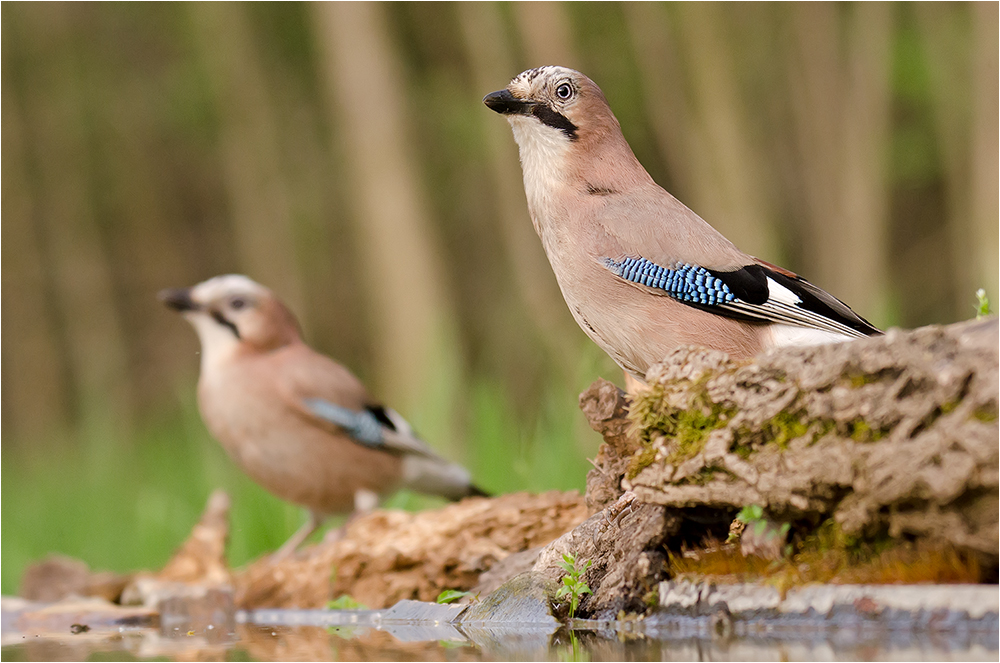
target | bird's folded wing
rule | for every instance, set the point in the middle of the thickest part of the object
(374, 427)
(758, 291)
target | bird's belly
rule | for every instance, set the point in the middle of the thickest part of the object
(638, 328)
(310, 466)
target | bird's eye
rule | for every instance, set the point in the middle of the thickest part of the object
(236, 303)
(564, 91)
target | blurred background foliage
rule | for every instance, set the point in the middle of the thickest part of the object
(340, 154)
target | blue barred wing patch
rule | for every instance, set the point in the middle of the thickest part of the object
(687, 283)
(362, 426)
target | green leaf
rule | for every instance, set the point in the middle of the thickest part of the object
(345, 602)
(750, 513)
(453, 644)
(983, 306)
(451, 595)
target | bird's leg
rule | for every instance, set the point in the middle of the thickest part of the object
(633, 385)
(364, 502)
(313, 521)
(615, 513)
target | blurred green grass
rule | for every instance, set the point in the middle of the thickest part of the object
(127, 506)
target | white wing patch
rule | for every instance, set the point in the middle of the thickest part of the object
(783, 335)
(402, 425)
(782, 306)
(780, 293)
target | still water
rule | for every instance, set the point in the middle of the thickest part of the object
(371, 639)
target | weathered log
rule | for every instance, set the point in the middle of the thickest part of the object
(896, 433)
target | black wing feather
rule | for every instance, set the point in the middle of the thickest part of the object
(823, 303)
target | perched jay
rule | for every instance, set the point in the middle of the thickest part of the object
(300, 424)
(641, 273)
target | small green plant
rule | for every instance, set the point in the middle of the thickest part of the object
(575, 652)
(983, 305)
(454, 644)
(573, 586)
(345, 602)
(752, 515)
(450, 596)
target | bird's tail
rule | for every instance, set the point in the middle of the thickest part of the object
(476, 491)
(436, 476)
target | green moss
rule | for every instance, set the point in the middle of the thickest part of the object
(949, 406)
(985, 413)
(859, 380)
(780, 430)
(687, 429)
(640, 460)
(860, 430)
(825, 426)
(703, 476)
(785, 427)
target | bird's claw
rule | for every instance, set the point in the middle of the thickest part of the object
(616, 513)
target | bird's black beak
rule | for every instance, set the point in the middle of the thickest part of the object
(178, 299)
(503, 102)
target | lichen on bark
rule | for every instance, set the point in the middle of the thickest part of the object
(894, 435)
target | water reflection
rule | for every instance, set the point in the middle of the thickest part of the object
(444, 642)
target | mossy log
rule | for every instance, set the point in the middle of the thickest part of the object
(894, 435)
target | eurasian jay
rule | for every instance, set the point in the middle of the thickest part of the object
(297, 422)
(641, 273)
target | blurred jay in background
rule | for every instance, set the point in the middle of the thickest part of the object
(641, 273)
(300, 424)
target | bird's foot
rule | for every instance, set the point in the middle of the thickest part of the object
(616, 513)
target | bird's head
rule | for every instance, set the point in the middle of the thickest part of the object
(232, 312)
(562, 122)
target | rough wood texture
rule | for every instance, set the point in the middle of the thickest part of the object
(388, 556)
(896, 432)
